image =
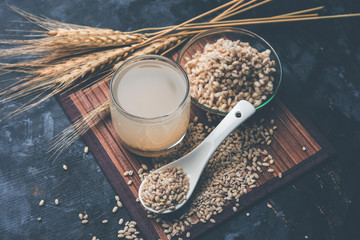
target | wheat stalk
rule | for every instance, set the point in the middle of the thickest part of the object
(79, 128)
(66, 39)
(70, 43)
(73, 39)
(60, 77)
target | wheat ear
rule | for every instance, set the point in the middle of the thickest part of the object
(69, 44)
(47, 82)
(79, 128)
(69, 38)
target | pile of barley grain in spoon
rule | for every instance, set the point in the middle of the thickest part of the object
(165, 189)
(233, 169)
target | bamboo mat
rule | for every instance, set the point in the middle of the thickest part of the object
(291, 160)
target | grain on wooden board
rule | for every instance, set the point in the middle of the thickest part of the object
(144, 167)
(229, 174)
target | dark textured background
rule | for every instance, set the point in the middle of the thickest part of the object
(321, 78)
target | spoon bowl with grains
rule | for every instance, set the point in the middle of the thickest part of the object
(232, 72)
(168, 188)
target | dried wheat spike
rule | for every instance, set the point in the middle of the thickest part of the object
(66, 39)
(57, 78)
(80, 127)
(157, 47)
(94, 38)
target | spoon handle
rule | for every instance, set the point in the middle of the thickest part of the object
(239, 114)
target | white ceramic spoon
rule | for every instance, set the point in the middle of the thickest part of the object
(194, 162)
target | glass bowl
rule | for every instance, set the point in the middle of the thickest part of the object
(198, 42)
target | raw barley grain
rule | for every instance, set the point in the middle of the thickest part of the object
(226, 176)
(144, 167)
(114, 210)
(165, 189)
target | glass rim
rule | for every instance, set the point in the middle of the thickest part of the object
(231, 30)
(149, 57)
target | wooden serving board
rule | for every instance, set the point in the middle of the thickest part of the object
(291, 160)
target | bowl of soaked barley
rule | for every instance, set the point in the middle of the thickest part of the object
(226, 65)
